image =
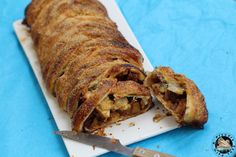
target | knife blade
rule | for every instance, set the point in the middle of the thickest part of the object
(110, 144)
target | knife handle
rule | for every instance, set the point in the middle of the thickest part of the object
(142, 152)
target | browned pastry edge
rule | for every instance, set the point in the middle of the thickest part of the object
(108, 52)
(35, 7)
(189, 108)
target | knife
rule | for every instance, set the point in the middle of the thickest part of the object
(110, 144)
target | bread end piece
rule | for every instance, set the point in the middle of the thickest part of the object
(179, 95)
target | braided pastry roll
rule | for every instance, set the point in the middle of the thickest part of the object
(95, 74)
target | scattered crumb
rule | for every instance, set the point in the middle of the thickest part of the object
(168, 114)
(27, 31)
(158, 108)
(158, 117)
(118, 123)
(160, 127)
(72, 156)
(138, 128)
(22, 39)
(131, 124)
(158, 146)
(94, 147)
(122, 130)
(113, 140)
(110, 134)
(100, 132)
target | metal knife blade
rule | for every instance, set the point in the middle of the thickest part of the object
(99, 141)
(110, 144)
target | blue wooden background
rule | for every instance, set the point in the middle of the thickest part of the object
(197, 38)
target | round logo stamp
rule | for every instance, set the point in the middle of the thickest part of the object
(224, 145)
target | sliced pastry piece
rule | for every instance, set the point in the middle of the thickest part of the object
(179, 95)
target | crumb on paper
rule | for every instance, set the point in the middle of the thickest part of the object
(160, 127)
(27, 31)
(22, 39)
(138, 128)
(122, 130)
(168, 114)
(94, 147)
(118, 123)
(100, 132)
(72, 156)
(110, 134)
(113, 140)
(158, 117)
(131, 124)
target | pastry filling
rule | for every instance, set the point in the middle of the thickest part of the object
(131, 75)
(172, 93)
(112, 109)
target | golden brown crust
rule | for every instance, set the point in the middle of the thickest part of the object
(68, 8)
(84, 58)
(71, 37)
(69, 60)
(189, 107)
(69, 80)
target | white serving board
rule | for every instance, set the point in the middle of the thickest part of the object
(144, 125)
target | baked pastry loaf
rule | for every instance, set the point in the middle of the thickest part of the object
(95, 74)
(179, 95)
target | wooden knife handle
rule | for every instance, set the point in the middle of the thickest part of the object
(142, 152)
